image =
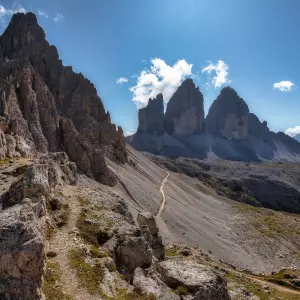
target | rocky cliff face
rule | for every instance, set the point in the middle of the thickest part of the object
(228, 116)
(185, 112)
(151, 117)
(23, 225)
(45, 106)
(258, 129)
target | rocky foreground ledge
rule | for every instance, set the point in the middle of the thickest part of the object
(129, 256)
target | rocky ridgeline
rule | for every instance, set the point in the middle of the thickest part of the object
(46, 107)
(228, 122)
(228, 116)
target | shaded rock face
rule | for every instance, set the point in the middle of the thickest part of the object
(23, 225)
(258, 129)
(201, 281)
(151, 234)
(228, 116)
(40, 100)
(133, 253)
(185, 112)
(151, 117)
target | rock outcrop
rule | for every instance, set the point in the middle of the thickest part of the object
(133, 253)
(200, 281)
(185, 113)
(150, 231)
(151, 117)
(45, 106)
(23, 226)
(228, 116)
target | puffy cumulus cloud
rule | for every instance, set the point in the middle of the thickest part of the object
(58, 17)
(160, 78)
(293, 132)
(283, 86)
(122, 80)
(221, 73)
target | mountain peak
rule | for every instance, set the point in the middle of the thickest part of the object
(185, 112)
(151, 117)
(228, 116)
(25, 22)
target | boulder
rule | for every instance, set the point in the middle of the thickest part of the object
(21, 253)
(152, 285)
(202, 282)
(148, 219)
(151, 117)
(134, 252)
(150, 231)
(185, 112)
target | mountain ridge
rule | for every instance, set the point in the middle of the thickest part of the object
(229, 131)
(47, 107)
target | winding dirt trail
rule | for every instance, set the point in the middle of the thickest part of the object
(163, 196)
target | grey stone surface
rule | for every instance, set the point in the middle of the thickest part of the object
(201, 281)
(151, 117)
(185, 112)
(228, 116)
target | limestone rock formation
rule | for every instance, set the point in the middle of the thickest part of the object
(133, 253)
(45, 106)
(23, 225)
(228, 116)
(151, 117)
(201, 281)
(256, 128)
(152, 285)
(151, 233)
(185, 112)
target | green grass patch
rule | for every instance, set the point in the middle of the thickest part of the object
(181, 290)
(276, 224)
(92, 232)
(51, 287)
(89, 276)
(83, 201)
(256, 289)
(4, 161)
(98, 253)
(135, 295)
(174, 251)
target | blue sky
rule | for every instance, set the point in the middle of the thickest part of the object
(155, 44)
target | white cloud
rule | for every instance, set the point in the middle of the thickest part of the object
(42, 13)
(122, 80)
(3, 11)
(160, 78)
(58, 17)
(221, 71)
(283, 86)
(16, 8)
(129, 132)
(294, 131)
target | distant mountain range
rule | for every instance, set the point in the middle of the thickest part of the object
(229, 131)
(297, 138)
